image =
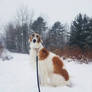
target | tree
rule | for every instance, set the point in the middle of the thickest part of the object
(18, 32)
(25, 37)
(39, 25)
(22, 22)
(10, 37)
(81, 32)
(56, 35)
(89, 34)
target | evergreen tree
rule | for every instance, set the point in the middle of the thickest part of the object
(89, 34)
(56, 35)
(39, 25)
(79, 31)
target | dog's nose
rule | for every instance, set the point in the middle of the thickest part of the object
(34, 41)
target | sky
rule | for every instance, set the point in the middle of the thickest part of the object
(52, 10)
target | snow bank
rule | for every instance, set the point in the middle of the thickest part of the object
(6, 55)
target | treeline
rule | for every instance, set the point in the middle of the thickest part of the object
(81, 32)
(58, 36)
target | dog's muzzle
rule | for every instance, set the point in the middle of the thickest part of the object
(34, 40)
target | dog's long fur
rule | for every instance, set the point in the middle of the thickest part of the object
(51, 67)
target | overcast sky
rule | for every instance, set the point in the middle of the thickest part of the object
(53, 10)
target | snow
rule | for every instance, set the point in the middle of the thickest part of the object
(17, 75)
(5, 55)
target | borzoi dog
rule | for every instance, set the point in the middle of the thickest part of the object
(51, 68)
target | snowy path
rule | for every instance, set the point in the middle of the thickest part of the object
(17, 75)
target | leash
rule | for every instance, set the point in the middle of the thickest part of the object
(38, 84)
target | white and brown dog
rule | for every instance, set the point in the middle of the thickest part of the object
(51, 67)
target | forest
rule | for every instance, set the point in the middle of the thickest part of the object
(59, 38)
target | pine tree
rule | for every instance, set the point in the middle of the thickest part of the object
(79, 31)
(39, 25)
(89, 34)
(57, 35)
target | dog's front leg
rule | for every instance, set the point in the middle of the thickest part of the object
(44, 79)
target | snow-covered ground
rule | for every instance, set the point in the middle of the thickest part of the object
(17, 75)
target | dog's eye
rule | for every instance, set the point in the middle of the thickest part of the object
(32, 35)
(37, 36)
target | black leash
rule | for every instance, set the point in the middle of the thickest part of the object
(38, 84)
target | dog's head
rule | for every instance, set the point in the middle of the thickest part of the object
(35, 40)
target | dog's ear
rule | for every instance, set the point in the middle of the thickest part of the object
(30, 39)
(42, 41)
(39, 38)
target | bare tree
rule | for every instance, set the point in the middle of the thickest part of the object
(23, 19)
(18, 30)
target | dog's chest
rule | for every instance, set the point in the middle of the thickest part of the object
(45, 66)
(33, 55)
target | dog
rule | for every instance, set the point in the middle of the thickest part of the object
(51, 68)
